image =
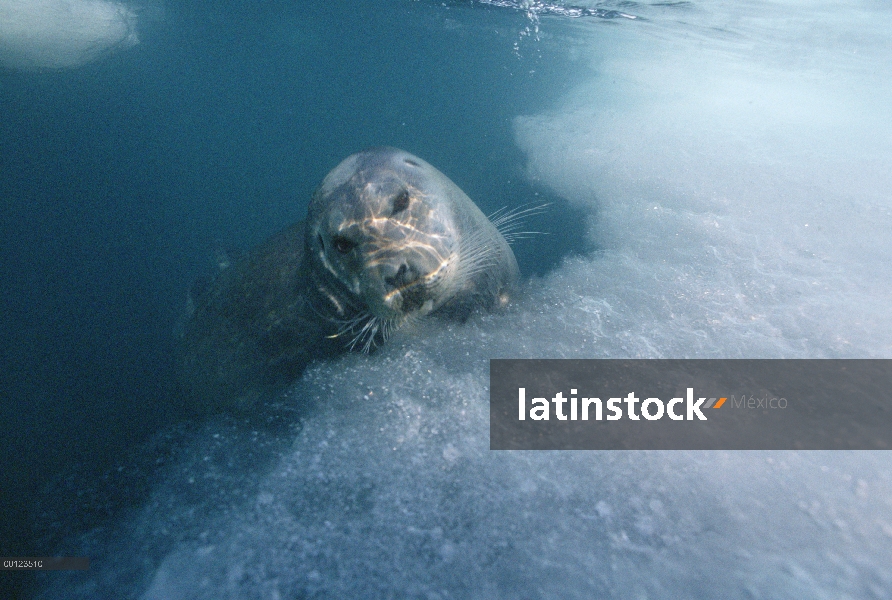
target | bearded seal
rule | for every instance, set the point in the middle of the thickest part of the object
(388, 239)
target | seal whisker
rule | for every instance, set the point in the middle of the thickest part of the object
(512, 237)
(370, 333)
(477, 254)
(366, 334)
(507, 221)
(365, 329)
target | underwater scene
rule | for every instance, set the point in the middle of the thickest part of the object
(703, 179)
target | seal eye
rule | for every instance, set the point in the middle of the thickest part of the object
(343, 245)
(400, 203)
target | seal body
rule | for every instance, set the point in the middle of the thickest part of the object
(387, 239)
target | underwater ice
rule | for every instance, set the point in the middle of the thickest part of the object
(739, 181)
(57, 34)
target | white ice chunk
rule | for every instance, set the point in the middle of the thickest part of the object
(59, 34)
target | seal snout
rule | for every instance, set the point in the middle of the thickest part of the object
(403, 277)
(406, 283)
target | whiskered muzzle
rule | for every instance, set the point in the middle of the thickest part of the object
(404, 277)
(406, 290)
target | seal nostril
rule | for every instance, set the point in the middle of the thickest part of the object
(400, 203)
(402, 277)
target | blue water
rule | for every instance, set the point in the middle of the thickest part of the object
(720, 177)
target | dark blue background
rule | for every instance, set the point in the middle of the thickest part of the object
(121, 180)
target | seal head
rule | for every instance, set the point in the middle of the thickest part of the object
(387, 239)
(393, 239)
